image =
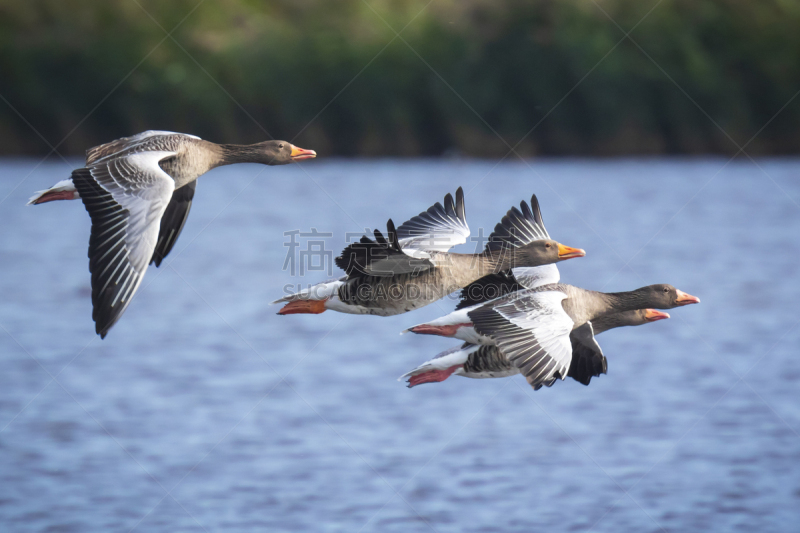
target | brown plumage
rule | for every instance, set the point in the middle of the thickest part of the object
(138, 191)
(489, 361)
(411, 266)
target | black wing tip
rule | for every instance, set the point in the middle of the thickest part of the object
(103, 329)
(393, 240)
(105, 318)
(356, 257)
(454, 208)
(449, 204)
(460, 210)
(537, 212)
(507, 233)
(90, 193)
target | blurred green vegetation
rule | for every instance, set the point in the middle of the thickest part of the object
(333, 76)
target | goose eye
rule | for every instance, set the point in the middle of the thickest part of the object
(666, 289)
(547, 245)
(280, 146)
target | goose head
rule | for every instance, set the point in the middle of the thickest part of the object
(665, 296)
(544, 252)
(281, 153)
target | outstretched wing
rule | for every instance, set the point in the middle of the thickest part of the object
(532, 277)
(588, 360)
(126, 198)
(532, 330)
(381, 257)
(438, 229)
(498, 285)
(519, 227)
(489, 361)
(150, 137)
(173, 220)
(405, 250)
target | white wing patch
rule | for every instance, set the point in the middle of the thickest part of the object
(139, 185)
(126, 198)
(532, 330)
(532, 277)
(438, 229)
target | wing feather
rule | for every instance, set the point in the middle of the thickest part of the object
(382, 257)
(532, 330)
(518, 227)
(125, 200)
(173, 220)
(588, 360)
(123, 144)
(438, 229)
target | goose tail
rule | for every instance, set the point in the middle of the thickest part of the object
(431, 376)
(440, 367)
(446, 326)
(312, 307)
(310, 300)
(63, 190)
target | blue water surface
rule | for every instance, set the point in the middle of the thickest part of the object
(205, 411)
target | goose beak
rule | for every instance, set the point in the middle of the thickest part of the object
(651, 315)
(686, 299)
(298, 154)
(565, 252)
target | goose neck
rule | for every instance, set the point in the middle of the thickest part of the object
(230, 154)
(500, 260)
(626, 301)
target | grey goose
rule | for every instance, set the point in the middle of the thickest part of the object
(138, 191)
(412, 267)
(532, 326)
(488, 361)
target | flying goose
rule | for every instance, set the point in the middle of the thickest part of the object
(458, 324)
(532, 327)
(411, 267)
(138, 191)
(488, 361)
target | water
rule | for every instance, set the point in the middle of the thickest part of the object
(203, 410)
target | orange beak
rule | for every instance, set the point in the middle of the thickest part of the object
(686, 299)
(298, 154)
(651, 315)
(565, 252)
